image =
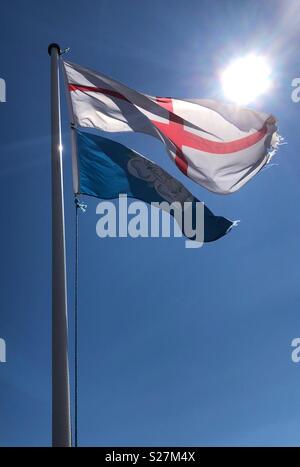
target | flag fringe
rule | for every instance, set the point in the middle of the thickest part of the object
(277, 140)
(234, 224)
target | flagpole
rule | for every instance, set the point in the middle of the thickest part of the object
(61, 419)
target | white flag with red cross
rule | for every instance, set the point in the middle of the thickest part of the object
(218, 145)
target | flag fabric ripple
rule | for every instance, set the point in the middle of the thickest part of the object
(220, 146)
(108, 169)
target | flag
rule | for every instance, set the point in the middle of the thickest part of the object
(108, 169)
(220, 146)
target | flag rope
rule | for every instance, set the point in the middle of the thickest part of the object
(77, 206)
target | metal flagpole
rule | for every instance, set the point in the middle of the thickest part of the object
(61, 422)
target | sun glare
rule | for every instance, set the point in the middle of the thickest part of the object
(246, 78)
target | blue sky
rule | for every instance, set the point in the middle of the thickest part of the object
(176, 346)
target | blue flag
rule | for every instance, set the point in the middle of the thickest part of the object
(108, 169)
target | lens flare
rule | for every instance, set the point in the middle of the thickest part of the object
(246, 78)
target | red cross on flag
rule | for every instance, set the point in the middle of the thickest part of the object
(218, 145)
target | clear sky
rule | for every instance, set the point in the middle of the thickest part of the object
(177, 346)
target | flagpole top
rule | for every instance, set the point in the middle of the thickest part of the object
(54, 46)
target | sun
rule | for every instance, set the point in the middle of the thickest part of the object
(246, 78)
